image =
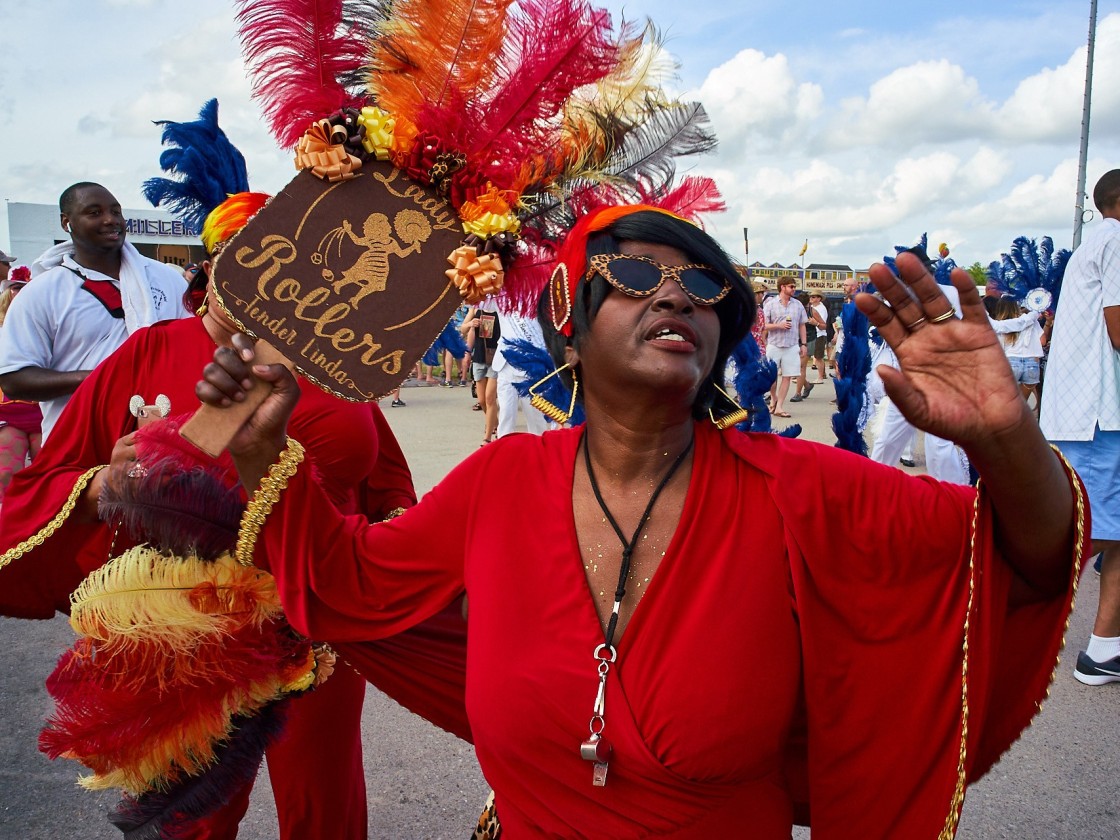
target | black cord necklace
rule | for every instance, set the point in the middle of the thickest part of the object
(596, 748)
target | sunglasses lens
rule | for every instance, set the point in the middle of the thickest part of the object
(702, 284)
(635, 275)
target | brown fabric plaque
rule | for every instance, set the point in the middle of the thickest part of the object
(345, 279)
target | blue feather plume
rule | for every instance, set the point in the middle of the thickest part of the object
(535, 363)
(449, 339)
(942, 267)
(207, 168)
(754, 377)
(1027, 266)
(855, 365)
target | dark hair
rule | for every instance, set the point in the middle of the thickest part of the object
(195, 294)
(736, 311)
(68, 200)
(1107, 191)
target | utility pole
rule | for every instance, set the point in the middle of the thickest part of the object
(1079, 204)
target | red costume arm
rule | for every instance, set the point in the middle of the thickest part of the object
(374, 580)
(893, 600)
(47, 550)
(389, 485)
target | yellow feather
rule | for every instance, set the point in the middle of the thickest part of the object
(597, 116)
(144, 597)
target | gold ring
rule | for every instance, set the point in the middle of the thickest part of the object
(921, 320)
(944, 316)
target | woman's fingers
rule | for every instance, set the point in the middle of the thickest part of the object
(931, 299)
(226, 379)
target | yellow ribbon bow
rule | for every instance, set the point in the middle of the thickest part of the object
(378, 139)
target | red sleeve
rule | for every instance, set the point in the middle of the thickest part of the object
(389, 485)
(47, 551)
(341, 578)
(911, 642)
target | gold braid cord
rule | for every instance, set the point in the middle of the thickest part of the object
(949, 831)
(264, 499)
(37, 539)
(393, 514)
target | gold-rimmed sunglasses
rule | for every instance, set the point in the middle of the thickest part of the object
(640, 277)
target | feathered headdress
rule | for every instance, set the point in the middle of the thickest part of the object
(524, 115)
(1031, 273)
(207, 166)
(941, 268)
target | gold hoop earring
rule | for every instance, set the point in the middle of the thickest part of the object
(737, 416)
(548, 409)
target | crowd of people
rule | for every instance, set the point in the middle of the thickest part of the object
(629, 498)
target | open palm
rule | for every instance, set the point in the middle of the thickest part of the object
(955, 381)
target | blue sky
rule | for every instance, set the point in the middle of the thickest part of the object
(856, 126)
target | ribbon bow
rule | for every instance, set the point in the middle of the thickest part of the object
(378, 139)
(475, 276)
(321, 150)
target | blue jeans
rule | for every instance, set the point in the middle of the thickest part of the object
(1024, 370)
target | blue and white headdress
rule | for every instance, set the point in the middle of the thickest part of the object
(1031, 273)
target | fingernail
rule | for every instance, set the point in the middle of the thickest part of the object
(246, 383)
(260, 369)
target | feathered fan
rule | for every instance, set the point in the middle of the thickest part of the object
(1031, 273)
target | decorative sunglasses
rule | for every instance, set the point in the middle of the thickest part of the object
(640, 277)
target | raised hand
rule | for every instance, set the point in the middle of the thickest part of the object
(955, 381)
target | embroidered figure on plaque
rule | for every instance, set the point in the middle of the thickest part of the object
(370, 272)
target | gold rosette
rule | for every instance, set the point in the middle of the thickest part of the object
(378, 139)
(475, 276)
(327, 159)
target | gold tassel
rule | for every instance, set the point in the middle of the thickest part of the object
(549, 410)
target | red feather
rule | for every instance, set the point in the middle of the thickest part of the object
(694, 196)
(298, 51)
(117, 712)
(553, 48)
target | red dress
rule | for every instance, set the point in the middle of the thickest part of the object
(316, 769)
(776, 659)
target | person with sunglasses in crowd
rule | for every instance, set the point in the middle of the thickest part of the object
(667, 637)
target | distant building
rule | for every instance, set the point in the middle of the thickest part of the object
(33, 228)
(826, 278)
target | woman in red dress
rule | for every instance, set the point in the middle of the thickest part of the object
(646, 659)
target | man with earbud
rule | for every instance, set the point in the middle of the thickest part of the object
(89, 295)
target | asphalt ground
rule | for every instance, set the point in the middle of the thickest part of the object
(1059, 782)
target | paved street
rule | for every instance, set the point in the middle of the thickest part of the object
(1059, 782)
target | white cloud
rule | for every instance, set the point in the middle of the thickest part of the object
(927, 102)
(1047, 106)
(756, 103)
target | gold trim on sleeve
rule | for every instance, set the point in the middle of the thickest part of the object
(264, 499)
(949, 831)
(37, 539)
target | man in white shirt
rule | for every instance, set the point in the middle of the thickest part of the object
(89, 295)
(785, 339)
(1081, 409)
